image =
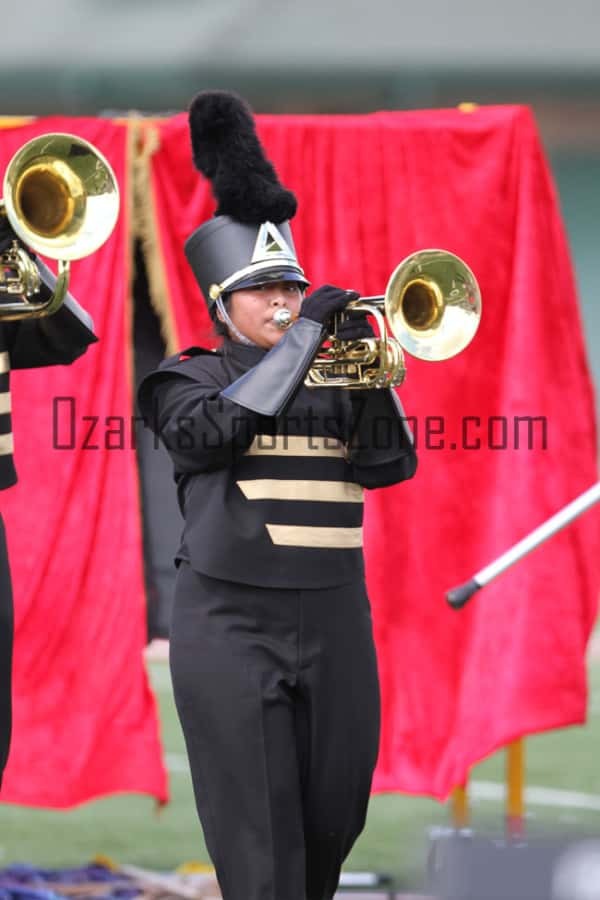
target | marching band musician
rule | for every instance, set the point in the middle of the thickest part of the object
(271, 646)
(58, 339)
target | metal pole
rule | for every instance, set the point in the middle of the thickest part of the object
(515, 788)
(458, 596)
(460, 806)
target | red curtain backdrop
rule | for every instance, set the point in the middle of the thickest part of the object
(372, 189)
(85, 721)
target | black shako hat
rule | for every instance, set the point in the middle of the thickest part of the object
(249, 240)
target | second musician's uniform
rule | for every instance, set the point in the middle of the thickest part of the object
(26, 344)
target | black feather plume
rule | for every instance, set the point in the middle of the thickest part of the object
(226, 149)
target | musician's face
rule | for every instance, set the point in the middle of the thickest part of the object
(251, 310)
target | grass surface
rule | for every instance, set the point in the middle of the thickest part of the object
(129, 830)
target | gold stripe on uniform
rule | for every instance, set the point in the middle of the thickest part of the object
(316, 537)
(280, 489)
(295, 445)
(4, 362)
(6, 444)
(4, 402)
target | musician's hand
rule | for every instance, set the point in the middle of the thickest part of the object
(355, 328)
(322, 305)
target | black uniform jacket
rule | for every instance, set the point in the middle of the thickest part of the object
(276, 502)
(28, 343)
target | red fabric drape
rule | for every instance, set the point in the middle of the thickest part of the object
(371, 190)
(85, 722)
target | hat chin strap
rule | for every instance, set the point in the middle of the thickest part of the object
(238, 334)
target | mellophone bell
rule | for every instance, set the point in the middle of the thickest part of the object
(60, 200)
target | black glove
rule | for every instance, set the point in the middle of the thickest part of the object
(325, 302)
(355, 328)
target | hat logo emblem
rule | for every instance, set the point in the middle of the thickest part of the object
(270, 244)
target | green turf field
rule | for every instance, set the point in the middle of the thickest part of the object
(129, 830)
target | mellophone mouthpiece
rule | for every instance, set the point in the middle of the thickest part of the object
(282, 318)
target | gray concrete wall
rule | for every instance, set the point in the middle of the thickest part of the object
(464, 34)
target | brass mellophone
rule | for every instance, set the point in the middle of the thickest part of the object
(432, 305)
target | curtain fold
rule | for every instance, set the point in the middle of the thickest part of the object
(85, 719)
(505, 431)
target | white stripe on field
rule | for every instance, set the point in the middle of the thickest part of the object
(537, 796)
(160, 679)
(479, 790)
(177, 763)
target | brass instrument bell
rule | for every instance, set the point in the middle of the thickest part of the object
(61, 198)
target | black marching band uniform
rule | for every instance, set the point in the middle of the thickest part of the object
(26, 344)
(272, 653)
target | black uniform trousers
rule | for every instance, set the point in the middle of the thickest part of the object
(6, 641)
(278, 697)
